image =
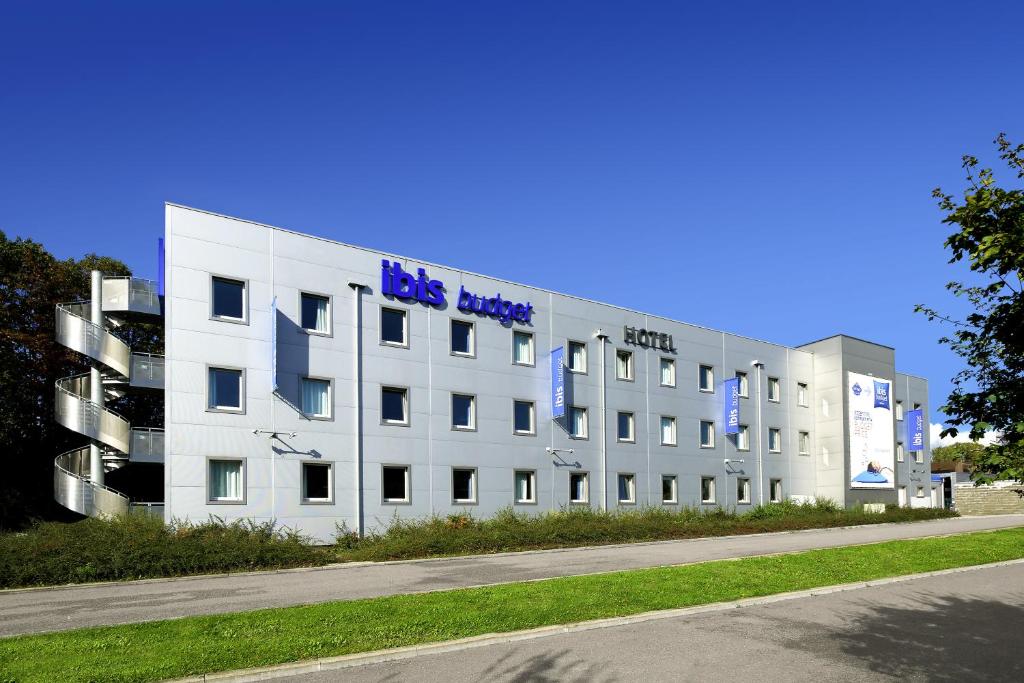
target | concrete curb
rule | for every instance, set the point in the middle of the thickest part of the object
(397, 654)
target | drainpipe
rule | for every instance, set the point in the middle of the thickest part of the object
(357, 384)
(95, 378)
(602, 338)
(760, 435)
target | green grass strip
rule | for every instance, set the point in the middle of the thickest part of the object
(194, 645)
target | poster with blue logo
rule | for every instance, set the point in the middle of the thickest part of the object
(731, 416)
(557, 383)
(870, 424)
(915, 430)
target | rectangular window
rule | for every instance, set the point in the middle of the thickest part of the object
(899, 452)
(315, 313)
(668, 430)
(623, 364)
(625, 432)
(706, 378)
(743, 386)
(774, 390)
(463, 341)
(225, 390)
(315, 399)
(774, 440)
(742, 490)
(743, 438)
(522, 417)
(668, 372)
(226, 481)
(463, 411)
(393, 327)
(316, 482)
(899, 410)
(227, 300)
(577, 422)
(920, 492)
(707, 490)
(669, 489)
(394, 484)
(522, 348)
(579, 487)
(801, 395)
(804, 443)
(919, 457)
(526, 486)
(707, 434)
(394, 405)
(627, 489)
(577, 357)
(463, 485)
(775, 490)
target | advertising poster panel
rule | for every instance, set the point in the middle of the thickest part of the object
(871, 432)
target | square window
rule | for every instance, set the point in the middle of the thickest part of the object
(627, 489)
(522, 348)
(917, 406)
(707, 490)
(226, 481)
(669, 489)
(226, 389)
(577, 422)
(774, 390)
(625, 432)
(316, 482)
(743, 438)
(623, 364)
(668, 372)
(577, 357)
(899, 452)
(742, 490)
(579, 487)
(315, 313)
(315, 400)
(526, 486)
(805, 443)
(523, 417)
(802, 399)
(743, 386)
(707, 434)
(775, 490)
(394, 405)
(463, 411)
(706, 378)
(463, 342)
(774, 440)
(898, 409)
(463, 485)
(394, 483)
(668, 430)
(393, 327)
(228, 299)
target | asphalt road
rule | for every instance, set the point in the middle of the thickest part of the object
(54, 609)
(957, 627)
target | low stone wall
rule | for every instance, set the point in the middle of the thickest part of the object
(1001, 498)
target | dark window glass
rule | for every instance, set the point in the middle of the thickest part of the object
(667, 484)
(462, 337)
(625, 426)
(317, 481)
(392, 405)
(462, 411)
(225, 388)
(314, 312)
(228, 298)
(462, 484)
(394, 483)
(523, 416)
(392, 326)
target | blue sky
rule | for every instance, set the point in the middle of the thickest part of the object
(777, 158)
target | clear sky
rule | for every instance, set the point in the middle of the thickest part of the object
(763, 168)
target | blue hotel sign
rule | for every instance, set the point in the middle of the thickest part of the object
(557, 382)
(915, 430)
(731, 414)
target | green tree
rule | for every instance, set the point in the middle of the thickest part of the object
(988, 394)
(967, 452)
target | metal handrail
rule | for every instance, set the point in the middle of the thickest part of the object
(87, 480)
(95, 341)
(83, 398)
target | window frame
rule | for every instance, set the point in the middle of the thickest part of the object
(474, 485)
(674, 500)
(901, 454)
(406, 405)
(747, 497)
(533, 417)
(713, 500)
(240, 410)
(405, 327)
(304, 498)
(919, 457)
(802, 436)
(772, 483)
(803, 394)
(586, 356)
(744, 432)
(898, 410)
(533, 348)
(700, 434)
(244, 320)
(472, 338)
(632, 427)
(675, 431)
(515, 487)
(632, 488)
(777, 431)
(701, 367)
(586, 487)
(743, 385)
(210, 500)
(407, 469)
(777, 383)
(672, 364)
(586, 422)
(472, 412)
(630, 365)
(330, 398)
(330, 314)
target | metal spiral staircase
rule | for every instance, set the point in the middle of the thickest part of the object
(80, 401)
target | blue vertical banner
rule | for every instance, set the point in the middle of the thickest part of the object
(731, 415)
(557, 383)
(915, 430)
(160, 266)
(273, 343)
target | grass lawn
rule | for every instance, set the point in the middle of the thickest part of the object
(175, 648)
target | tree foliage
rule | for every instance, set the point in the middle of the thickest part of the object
(967, 452)
(988, 394)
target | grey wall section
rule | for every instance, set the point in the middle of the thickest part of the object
(279, 263)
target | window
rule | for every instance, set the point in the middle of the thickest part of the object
(579, 487)
(623, 364)
(394, 484)
(920, 492)
(315, 313)
(526, 486)
(522, 348)
(917, 406)
(901, 496)
(742, 490)
(577, 357)
(774, 440)
(463, 411)
(393, 327)
(226, 481)
(743, 386)
(801, 395)
(522, 417)
(462, 338)
(668, 431)
(774, 390)
(707, 434)
(627, 489)
(899, 410)
(919, 457)
(226, 390)
(804, 445)
(775, 490)
(316, 482)
(900, 457)
(577, 422)
(706, 378)
(227, 301)
(463, 485)
(707, 490)
(668, 372)
(625, 427)
(315, 398)
(394, 405)
(743, 438)
(669, 489)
